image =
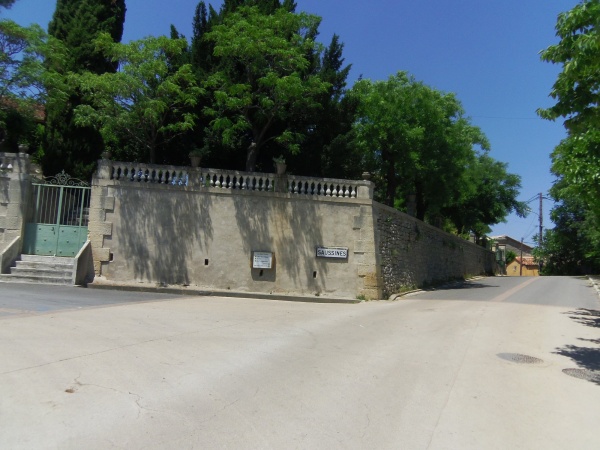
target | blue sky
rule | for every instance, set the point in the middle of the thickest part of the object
(486, 52)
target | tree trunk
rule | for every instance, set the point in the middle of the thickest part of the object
(251, 157)
(420, 201)
(390, 176)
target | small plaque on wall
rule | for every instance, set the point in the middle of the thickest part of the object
(332, 252)
(262, 260)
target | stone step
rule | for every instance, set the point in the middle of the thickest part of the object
(55, 259)
(10, 278)
(42, 265)
(41, 272)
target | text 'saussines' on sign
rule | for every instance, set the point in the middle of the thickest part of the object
(332, 252)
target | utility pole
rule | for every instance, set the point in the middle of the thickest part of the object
(521, 264)
(541, 222)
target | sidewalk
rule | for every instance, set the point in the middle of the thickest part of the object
(188, 290)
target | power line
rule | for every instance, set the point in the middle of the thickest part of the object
(506, 118)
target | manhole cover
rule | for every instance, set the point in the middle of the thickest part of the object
(584, 374)
(520, 359)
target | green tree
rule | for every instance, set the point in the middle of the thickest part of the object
(572, 247)
(146, 103)
(77, 23)
(327, 149)
(263, 77)
(510, 257)
(416, 141)
(20, 82)
(488, 193)
(24, 81)
(577, 96)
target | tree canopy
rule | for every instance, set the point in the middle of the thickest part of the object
(77, 24)
(253, 83)
(24, 81)
(420, 146)
(145, 103)
(263, 78)
(574, 242)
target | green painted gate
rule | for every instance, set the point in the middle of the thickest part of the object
(58, 219)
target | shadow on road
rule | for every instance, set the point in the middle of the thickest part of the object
(460, 285)
(585, 357)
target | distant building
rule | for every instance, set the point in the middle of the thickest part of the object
(525, 266)
(513, 245)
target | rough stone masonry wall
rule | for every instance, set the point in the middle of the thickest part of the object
(414, 254)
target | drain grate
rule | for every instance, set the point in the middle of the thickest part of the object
(584, 374)
(520, 359)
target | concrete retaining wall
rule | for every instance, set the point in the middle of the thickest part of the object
(203, 236)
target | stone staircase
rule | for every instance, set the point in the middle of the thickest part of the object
(41, 270)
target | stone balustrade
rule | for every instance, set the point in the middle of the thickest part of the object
(205, 178)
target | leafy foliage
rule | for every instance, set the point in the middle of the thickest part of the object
(573, 245)
(262, 78)
(510, 257)
(77, 24)
(419, 145)
(146, 103)
(254, 83)
(24, 81)
(488, 193)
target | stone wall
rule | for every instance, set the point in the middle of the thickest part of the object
(182, 226)
(15, 189)
(413, 254)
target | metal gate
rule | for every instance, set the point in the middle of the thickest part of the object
(58, 219)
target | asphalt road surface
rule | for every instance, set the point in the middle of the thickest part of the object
(500, 363)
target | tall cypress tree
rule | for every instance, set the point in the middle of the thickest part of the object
(77, 23)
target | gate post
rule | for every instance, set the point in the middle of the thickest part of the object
(15, 189)
(101, 203)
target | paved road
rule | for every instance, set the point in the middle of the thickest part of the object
(27, 299)
(445, 369)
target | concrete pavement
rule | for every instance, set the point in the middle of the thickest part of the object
(420, 373)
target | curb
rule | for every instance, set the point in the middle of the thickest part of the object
(595, 282)
(395, 297)
(206, 293)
